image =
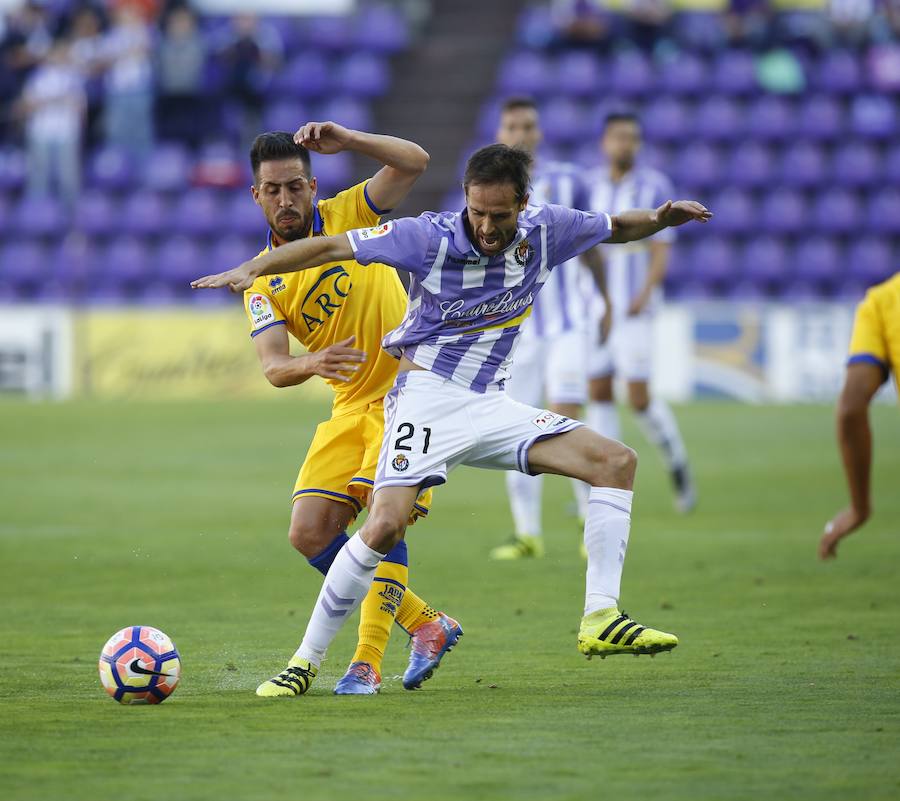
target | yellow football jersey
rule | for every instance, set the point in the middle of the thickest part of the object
(876, 330)
(335, 301)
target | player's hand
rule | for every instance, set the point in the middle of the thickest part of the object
(638, 304)
(678, 212)
(843, 523)
(606, 322)
(237, 280)
(323, 137)
(337, 360)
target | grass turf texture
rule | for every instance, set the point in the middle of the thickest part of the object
(174, 515)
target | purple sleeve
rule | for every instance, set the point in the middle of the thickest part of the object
(571, 232)
(402, 243)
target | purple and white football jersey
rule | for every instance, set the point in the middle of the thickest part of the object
(562, 305)
(627, 264)
(465, 309)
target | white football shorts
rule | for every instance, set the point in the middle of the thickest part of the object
(550, 369)
(431, 425)
(628, 353)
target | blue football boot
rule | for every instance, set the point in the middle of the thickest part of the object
(360, 679)
(429, 644)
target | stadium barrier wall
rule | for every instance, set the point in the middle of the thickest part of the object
(755, 353)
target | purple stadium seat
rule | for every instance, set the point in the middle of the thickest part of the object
(783, 212)
(381, 29)
(230, 251)
(363, 75)
(161, 293)
(837, 211)
(735, 212)
(801, 291)
(525, 73)
(765, 261)
(562, 121)
(489, 119)
(856, 165)
(714, 261)
(822, 117)
(871, 260)
(883, 64)
(39, 217)
(747, 290)
(751, 165)
(890, 168)
(284, 115)
(719, 119)
(111, 169)
(333, 172)
(332, 32)
(96, 214)
(168, 168)
(74, 259)
(12, 169)
(770, 118)
(734, 73)
(578, 73)
(144, 214)
(817, 259)
(686, 75)
(242, 216)
(883, 212)
(697, 166)
(23, 263)
(839, 71)
(873, 116)
(196, 212)
(803, 165)
(666, 119)
(701, 31)
(631, 73)
(179, 259)
(305, 76)
(127, 260)
(348, 111)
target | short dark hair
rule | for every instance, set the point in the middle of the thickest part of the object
(620, 116)
(520, 101)
(499, 164)
(277, 146)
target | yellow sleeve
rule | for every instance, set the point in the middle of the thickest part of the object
(349, 209)
(868, 344)
(262, 310)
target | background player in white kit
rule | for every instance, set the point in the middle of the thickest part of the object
(552, 353)
(474, 275)
(635, 272)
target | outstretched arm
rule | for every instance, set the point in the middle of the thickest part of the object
(641, 223)
(291, 257)
(855, 440)
(404, 161)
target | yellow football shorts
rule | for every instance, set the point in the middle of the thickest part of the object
(342, 458)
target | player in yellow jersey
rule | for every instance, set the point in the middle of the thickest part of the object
(340, 312)
(874, 355)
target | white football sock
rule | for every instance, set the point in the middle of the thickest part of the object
(346, 584)
(604, 419)
(582, 494)
(606, 539)
(525, 502)
(658, 425)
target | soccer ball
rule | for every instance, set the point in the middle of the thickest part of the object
(139, 665)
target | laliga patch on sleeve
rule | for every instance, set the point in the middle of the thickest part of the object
(547, 420)
(365, 234)
(261, 312)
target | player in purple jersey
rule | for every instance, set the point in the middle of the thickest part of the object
(474, 277)
(635, 274)
(552, 354)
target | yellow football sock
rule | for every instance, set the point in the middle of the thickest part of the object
(413, 612)
(378, 610)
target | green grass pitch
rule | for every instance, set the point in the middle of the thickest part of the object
(786, 683)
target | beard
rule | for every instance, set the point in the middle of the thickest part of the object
(297, 230)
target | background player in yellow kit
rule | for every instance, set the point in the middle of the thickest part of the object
(340, 312)
(874, 354)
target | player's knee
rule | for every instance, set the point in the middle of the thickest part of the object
(383, 530)
(309, 538)
(613, 465)
(640, 405)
